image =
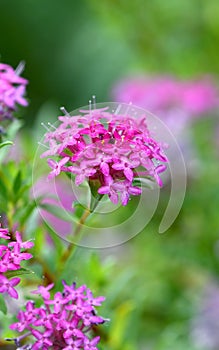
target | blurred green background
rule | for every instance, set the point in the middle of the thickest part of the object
(74, 49)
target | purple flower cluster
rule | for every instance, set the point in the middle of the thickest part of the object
(111, 149)
(63, 322)
(12, 90)
(11, 256)
(174, 101)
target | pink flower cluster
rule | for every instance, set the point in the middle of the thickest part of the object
(12, 90)
(11, 256)
(168, 97)
(63, 322)
(111, 149)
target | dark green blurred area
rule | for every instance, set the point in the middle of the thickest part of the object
(69, 55)
(74, 49)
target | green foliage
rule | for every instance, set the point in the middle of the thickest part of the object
(12, 130)
(20, 272)
(14, 191)
(6, 143)
(3, 307)
(167, 36)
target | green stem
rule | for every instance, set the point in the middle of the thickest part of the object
(84, 217)
(71, 247)
(95, 200)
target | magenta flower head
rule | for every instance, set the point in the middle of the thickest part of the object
(112, 151)
(12, 253)
(64, 321)
(12, 90)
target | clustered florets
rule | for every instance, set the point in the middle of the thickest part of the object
(112, 149)
(11, 256)
(12, 90)
(65, 321)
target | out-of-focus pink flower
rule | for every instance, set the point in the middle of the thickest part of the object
(200, 96)
(174, 101)
(12, 90)
(59, 194)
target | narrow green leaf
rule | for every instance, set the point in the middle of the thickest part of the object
(27, 211)
(3, 188)
(6, 143)
(3, 205)
(3, 195)
(22, 191)
(3, 306)
(20, 272)
(17, 182)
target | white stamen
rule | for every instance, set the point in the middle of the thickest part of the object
(45, 126)
(90, 106)
(118, 109)
(94, 101)
(52, 126)
(63, 110)
(130, 103)
(42, 144)
(20, 68)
